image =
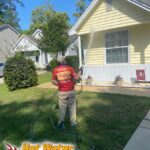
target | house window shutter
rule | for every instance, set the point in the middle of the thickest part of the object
(108, 5)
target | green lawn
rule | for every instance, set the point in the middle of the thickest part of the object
(43, 78)
(108, 119)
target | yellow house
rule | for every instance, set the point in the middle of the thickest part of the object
(114, 39)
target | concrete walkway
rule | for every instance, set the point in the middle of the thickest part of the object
(140, 140)
(39, 72)
(115, 90)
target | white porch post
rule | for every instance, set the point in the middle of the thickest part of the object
(80, 50)
(41, 58)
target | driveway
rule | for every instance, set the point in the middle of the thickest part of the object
(1, 80)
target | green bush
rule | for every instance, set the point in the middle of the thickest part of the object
(53, 63)
(73, 61)
(19, 73)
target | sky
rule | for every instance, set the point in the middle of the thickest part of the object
(25, 12)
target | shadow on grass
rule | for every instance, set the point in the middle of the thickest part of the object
(108, 119)
(29, 121)
(111, 119)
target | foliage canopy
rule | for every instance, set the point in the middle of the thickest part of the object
(55, 34)
(8, 12)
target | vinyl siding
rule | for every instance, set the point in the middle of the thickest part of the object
(7, 40)
(123, 14)
(25, 45)
(139, 45)
(95, 56)
(95, 45)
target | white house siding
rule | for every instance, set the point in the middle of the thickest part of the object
(108, 73)
(72, 49)
(38, 35)
(45, 59)
(26, 45)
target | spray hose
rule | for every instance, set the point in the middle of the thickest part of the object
(73, 134)
(76, 137)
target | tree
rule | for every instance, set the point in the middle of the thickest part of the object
(55, 34)
(8, 12)
(39, 16)
(80, 8)
(81, 5)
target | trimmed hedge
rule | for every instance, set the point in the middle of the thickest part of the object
(20, 73)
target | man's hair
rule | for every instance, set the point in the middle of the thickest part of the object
(61, 59)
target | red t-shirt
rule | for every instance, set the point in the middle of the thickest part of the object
(64, 75)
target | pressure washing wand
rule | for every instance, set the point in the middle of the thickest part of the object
(81, 70)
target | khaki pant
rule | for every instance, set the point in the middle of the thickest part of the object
(67, 99)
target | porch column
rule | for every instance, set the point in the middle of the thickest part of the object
(41, 59)
(80, 50)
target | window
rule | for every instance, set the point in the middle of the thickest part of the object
(37, 58)
(108, 5)
(117, 47)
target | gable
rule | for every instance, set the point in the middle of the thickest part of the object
(37, 34)
(6, 26)
(123, 14)
(25, 44)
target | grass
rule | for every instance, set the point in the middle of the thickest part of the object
(108, 119)
(43, 78)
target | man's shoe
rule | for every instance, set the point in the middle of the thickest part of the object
(73, 125)
(61, 125)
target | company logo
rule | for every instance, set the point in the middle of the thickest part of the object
(10, 147)
(43, 146)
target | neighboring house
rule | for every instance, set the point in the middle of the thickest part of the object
(72, 49)
(28, 45)
(8, 37)
(114, 39)
(38, 34)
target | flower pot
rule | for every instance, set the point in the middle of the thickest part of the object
(119, 82)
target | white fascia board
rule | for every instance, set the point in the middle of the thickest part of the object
(12, 49)
(36, 31)
(72, 31)
(138, 4)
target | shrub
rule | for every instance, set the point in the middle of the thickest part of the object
(53, 63)
(19, 73)
(73, 61)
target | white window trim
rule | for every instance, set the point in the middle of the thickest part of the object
(105, 57)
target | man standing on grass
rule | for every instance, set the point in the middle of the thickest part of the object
(64, 77)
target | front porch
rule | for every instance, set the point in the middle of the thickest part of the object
(40, 59)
